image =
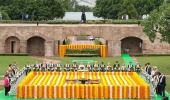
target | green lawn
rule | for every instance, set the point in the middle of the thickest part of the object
(162, 62)
(168, 84)
(20, 61)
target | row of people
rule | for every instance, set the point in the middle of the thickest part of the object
(156, 78)
(82, 67)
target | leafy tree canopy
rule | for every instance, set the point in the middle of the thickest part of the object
(33, 9)
(114, 9)
(159, 22)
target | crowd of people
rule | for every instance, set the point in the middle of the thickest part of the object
(152, 74)
(156, 78)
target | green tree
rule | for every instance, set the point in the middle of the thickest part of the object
(114, 9)
(128, 8)
(108, 9)
(159, 22)
(5, 2)
(34, 9)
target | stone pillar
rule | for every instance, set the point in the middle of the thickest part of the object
(56, 47)
(145, 47)
(49, 48)
(2, 47)
(117, 48)
(110, 48)
(23, 46)
(114, 48)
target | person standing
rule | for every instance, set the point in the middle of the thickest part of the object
(130, 67)
(123, 68)
(138, 67)
(109, 67)
(149, 69)
(162, 84)
(83, 17)
(67, 67)
(88, 66)
(103, 67)
(6, 84)
(116, 66)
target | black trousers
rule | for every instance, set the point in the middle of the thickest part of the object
(7, 89)
(163, 90)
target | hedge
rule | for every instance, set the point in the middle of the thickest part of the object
(151, 55)
(82, 55)
(130, 21)
(83, 51)
(14, 54)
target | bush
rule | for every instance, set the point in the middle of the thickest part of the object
(13, 54)
(59, 21)
(83, 51)
(22, 21)
(152, 55)
(97, 42)
(66, 41)
(82, 55)
(63, 22)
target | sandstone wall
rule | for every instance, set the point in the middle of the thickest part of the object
(53, 33)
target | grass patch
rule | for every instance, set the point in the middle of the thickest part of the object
(162, 62)
(1, 87)
(168, 84)
(20, 61)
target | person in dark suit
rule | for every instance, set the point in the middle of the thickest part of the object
(130, 67)
(116, 66)
(83, 17)
(103, 67)
(74, 67)
(162, 84)
(146, 68)
(149, 69)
